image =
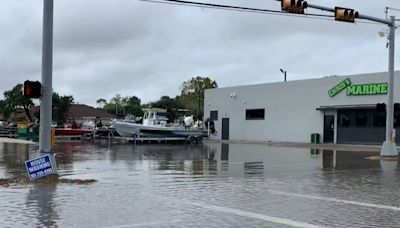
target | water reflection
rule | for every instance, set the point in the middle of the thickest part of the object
(314, 152)
(197, 167)
(224, 152)
(212, 158)
(348, 160)
(231, 159)
(40, 201)
(254, 169)
(328, 159)
(224, 157)
(13, 159)
(138, 180)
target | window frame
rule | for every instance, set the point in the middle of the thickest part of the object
(211, 116)
(249, 117)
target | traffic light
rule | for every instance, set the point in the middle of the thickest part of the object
(381, 107)
(32, 89)
(293, 6)
(343, 14)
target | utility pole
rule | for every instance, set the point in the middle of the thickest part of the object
(349, 15)
(47, 78)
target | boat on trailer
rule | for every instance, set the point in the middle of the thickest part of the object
(154, 125)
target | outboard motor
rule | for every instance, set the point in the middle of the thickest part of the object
(188, 121)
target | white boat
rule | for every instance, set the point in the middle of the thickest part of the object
(154, 125)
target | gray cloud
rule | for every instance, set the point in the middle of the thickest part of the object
(103, 47)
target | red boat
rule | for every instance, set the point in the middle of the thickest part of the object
(70, 131)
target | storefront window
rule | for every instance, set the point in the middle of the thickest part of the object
(396, 119)
(344, 118)
(380, 119)
(361, 118)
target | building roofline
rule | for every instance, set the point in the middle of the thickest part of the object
(308, 79)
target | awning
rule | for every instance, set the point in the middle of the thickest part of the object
(357, 106)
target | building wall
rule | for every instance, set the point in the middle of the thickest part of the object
(290, 107)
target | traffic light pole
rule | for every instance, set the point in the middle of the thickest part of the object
(47, 70)
(389, 145)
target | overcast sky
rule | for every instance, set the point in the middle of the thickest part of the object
(131, 47)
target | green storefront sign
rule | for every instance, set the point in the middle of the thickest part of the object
(356, 90)
(367, 89)
(339, 87)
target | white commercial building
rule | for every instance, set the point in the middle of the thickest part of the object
(341, 109)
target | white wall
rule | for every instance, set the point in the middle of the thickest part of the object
(290, 107)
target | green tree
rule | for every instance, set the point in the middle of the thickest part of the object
(131, 105)
(101, 102)
(134, 110)
(61, 106)
(192, 93)
(14, 99)
(134, 100)
(5, 109)
(172, 105)
(121, 106)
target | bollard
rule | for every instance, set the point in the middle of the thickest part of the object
(53, 137)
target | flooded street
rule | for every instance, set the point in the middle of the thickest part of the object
(209, 185)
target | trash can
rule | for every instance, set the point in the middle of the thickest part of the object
(33, 132)
(28, 131)
(22, 129)
(315, 138)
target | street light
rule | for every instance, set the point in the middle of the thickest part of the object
(284, 74)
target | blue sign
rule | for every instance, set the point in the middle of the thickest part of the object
(40, 167)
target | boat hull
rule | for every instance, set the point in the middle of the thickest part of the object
(138, 130)
(67, 131)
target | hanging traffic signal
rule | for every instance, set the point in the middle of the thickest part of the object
(293, 6)
(32, 89)
(344, 14)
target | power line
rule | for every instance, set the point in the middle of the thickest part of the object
(233, 8)
(246, 9)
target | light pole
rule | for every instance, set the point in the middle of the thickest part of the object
(47, 78)
(284, 74)
(389, 146)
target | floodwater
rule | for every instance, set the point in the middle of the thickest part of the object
(209, 185)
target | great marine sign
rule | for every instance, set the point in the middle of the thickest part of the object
(356, 90)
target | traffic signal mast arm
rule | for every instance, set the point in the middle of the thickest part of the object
(360, 16)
